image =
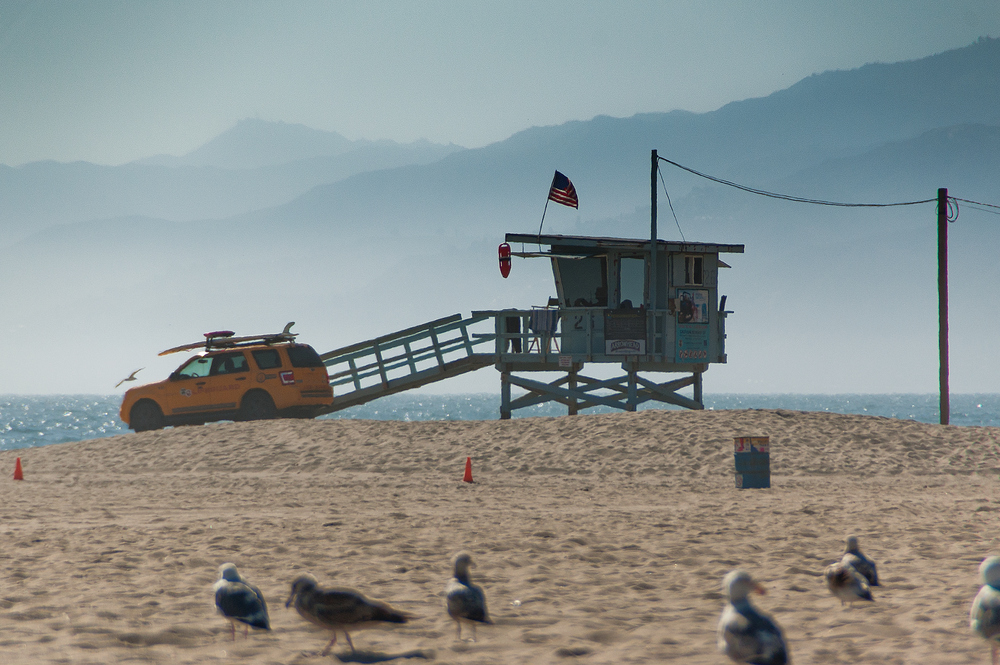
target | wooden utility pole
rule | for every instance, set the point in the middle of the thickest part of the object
(652, 197)
(942, 210)
(651, 325)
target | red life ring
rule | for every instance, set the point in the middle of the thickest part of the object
(504, 252)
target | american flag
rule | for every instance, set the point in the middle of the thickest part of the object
(562, 191)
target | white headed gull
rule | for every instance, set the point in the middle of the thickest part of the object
(238, 600)
(746, 635)
(984, 617)
(861, 563)
(465, 601)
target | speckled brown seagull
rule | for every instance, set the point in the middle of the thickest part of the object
(339, 609)
(238, 600)
(847, 584)
(465, 601)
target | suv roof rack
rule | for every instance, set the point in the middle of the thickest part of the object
(225, 339)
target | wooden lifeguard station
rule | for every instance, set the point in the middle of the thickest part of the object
(651, 306)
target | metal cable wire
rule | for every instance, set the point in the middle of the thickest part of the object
(978, 203)
(788, 197)
(669, 202)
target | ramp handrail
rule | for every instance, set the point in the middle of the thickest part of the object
(432, 344)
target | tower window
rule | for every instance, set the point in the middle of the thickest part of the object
(693, 270)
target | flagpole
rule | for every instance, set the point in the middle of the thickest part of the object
(543, 218)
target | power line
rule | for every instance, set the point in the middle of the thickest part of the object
(789, 197)
(992, 212)
(670, 203)
(977, 203)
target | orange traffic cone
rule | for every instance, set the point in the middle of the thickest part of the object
(18, 474)
(468, 470)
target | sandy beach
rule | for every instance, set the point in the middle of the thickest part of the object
(597, 538)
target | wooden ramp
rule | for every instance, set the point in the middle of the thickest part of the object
(407, 359)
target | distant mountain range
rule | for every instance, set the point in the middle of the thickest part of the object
(254, 165)
(272, 222)
(818, 123)
(255, 143)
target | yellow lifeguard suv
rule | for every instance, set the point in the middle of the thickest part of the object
(256, 377)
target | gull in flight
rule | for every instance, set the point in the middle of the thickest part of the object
(130, 377)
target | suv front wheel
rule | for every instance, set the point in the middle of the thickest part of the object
(257, 405)
(146, 415)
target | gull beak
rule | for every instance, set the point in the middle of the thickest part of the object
(758, 588)
(289, 601)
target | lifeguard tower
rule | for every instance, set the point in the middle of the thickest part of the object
(651, 306)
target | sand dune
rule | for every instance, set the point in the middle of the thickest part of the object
(598, 539)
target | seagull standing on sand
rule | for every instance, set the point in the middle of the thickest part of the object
(130, 377)
(465, 601)
(861, 563)
(846, 583)
(339, 609)
(238, 600)
(746, 635)
(984, 617)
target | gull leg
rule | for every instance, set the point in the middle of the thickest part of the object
(232, 629)
(246, 631)
(458, 625)
(348, 636)
(330, 645)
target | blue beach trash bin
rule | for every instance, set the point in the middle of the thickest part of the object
(753, 462)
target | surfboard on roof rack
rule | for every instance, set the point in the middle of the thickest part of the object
(219, 339)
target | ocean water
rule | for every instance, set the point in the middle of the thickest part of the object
(40, 420)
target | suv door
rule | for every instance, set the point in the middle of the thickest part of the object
(209, 384)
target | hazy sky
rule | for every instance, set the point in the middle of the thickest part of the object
(113, 81)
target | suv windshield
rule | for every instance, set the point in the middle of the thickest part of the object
(195, 368)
